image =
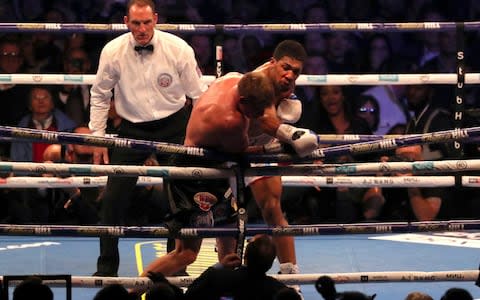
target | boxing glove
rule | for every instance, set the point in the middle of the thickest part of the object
(303, 141)
(289, 110)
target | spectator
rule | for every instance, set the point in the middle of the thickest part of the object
(315, 13)
(7, 13)
(392, 109)
(456, 294)
(43, 115)
(429, 40)
(360, 11)
(287, 293)
(244, 12)
(418, 296)
(340, 204)
(414, 203)
(315, 43)
(341, 52)
(76, 40)
(43, 52)
(336, 115)
(337, 10)
(113, 291)
(163, 289)
(422, 204)
(91, 43)
(203, 47)
(74, 100)
(445, 62)
(32, 288)
(253, 51)
(378, 55)
(76, 205)
(232, 60)
(391, 11)
(14, 96)
(223, 280)
(366, 107)
(428, 118)
(315, 64)
(35, 204)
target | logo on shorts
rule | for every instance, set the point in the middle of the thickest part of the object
(165, 80)
(205, 200)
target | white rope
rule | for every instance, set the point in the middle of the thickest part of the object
(358, 277)
(385, 79)
(66, 182)
(471, 181)
(119, 170)
(321, 181)
(369, 181)
(336, 79)
(415, 167)
(87, 79)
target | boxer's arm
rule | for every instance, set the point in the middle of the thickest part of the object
(270, 122)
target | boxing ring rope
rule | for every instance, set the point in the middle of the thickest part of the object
(415, 167)
(319, 181)
(291, 230)
(36, 135)
(297, 28)
(371, 146)
(329, 79)
(339, 278)
(345, 169)
(7, 133)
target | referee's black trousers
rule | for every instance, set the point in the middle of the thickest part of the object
(119, 190)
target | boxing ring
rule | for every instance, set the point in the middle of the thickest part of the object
(389, 259)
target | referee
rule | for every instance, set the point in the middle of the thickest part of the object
(150, 73)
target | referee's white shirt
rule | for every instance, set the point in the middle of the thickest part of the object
(148, 86)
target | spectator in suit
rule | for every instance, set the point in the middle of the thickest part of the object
(74, 100)
(14, 96)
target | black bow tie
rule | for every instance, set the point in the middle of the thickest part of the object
(147, 48)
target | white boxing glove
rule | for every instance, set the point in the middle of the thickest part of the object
(304, 141)
(289, 110)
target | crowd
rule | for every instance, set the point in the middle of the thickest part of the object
(152, 99)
